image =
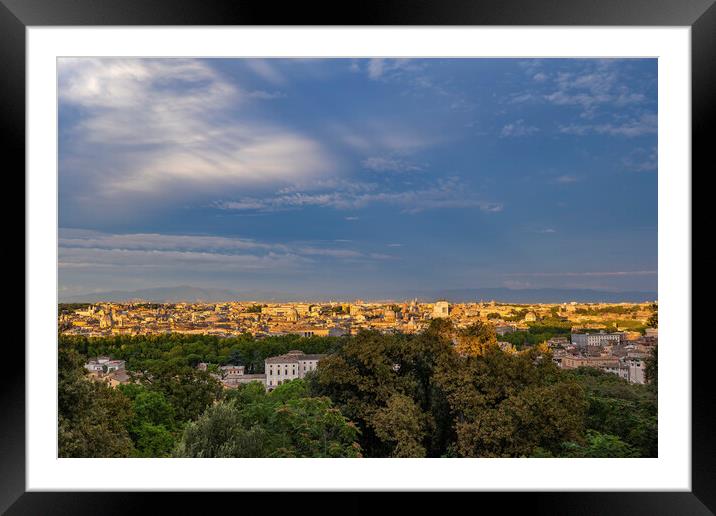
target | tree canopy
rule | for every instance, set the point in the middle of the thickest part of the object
(285, 422)
(92, 417)
(445, 392)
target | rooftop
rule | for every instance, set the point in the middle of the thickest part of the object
(293, 356)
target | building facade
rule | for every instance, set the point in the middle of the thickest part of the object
(586, 340)
(292, 365)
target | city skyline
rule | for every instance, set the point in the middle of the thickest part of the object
(357, 175)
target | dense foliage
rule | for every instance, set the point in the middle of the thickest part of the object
(92, 417)
(617, 408)
(612, 309)
(285, 422)
(538, 333)
(451, 393)
(67, 308)
(179, 350)
(442, 393)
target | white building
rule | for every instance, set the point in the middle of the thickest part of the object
(104, 365)
(280, 369)
(584, 340)
(292, 365)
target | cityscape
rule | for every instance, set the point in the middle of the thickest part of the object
(617, 339)
(388, 258)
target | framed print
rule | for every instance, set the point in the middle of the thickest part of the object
(422, 248)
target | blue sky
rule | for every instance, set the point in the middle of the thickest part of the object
(357, 176)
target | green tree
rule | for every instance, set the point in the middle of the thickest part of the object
(475, 339)
(187, 390)
(220, 432)
(282, 423)
(508, 405)
(152, 440)
(401, 422)
(616, 407)
(152, 426)
(92, 417)
(313, 427)
(599, 445)
(367, 371)
(152, 407)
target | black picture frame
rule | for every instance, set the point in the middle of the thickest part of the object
(17, 15)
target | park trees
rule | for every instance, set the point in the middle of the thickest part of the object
(187, 390)
(282, 423)
(152, 425)
(475, 339)
(443, 392)
(401, 423)
(507, 405)
(374, 375)
(449, 391)
(93, 417)
(616, 407)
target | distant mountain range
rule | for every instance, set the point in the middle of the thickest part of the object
(531, 295)
(155, 295)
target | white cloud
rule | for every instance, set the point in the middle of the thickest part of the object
(75, 257)
(156, 241)
(267, 95)
(518, 98)
(642, 160)
(600, 273)
(599, 83)
(447, 193)
(382, 135)
(162, 126)
(566, 179)
(390, 164)
(645, 124)
(379, 68)
(517, 129)
(266, 70)
(84, 249)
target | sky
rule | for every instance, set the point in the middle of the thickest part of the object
(357, 177)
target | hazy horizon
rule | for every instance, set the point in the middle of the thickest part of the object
(357, 175)
(192, 294)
